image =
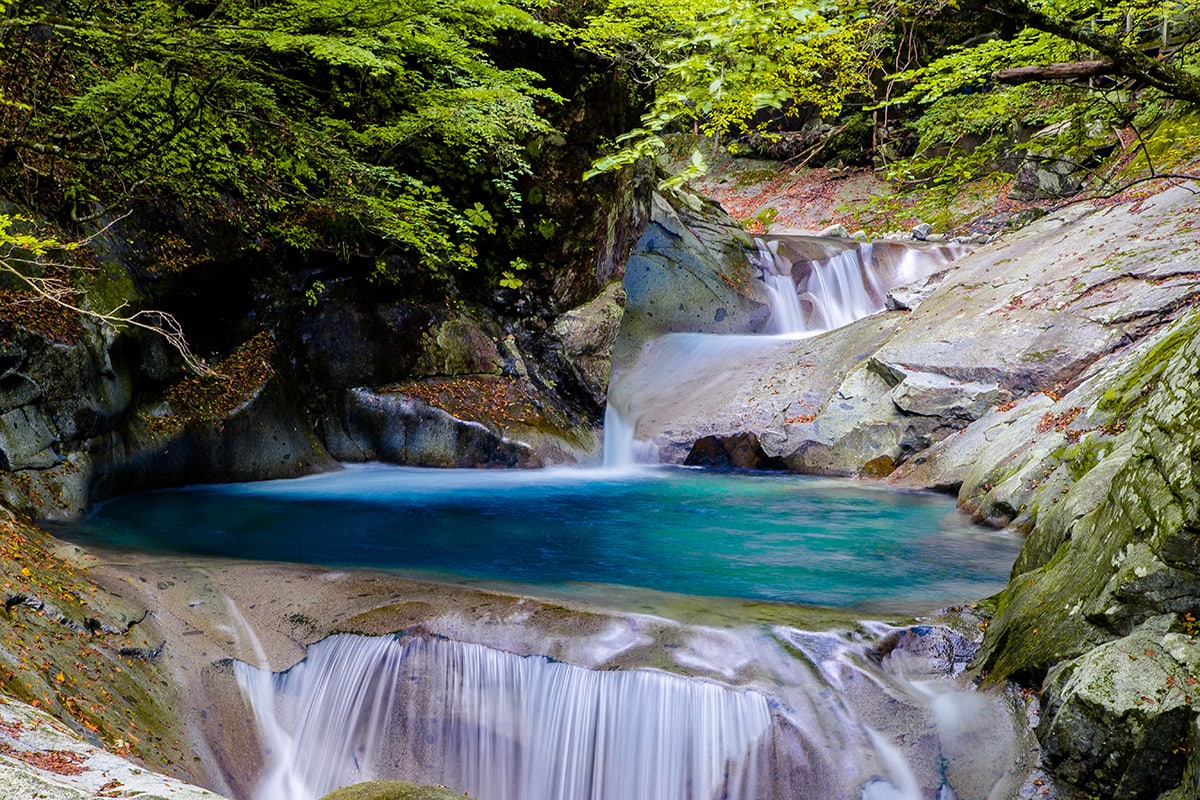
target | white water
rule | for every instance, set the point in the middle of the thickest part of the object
(820, 295)
(673, 365)
(501, 727)
(622, 450)
(808, 296)
(786, 314)
(819, 717)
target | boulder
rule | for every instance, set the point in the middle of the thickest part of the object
(25, 440)
(1045, 177)
(402, 429)
(931, 395)
(585, 337)
(1120, 718)
(690, 271)
(458, 345)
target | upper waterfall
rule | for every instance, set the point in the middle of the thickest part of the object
(818, 284)
(812, 284)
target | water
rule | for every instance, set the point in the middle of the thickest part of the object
(501, 727)
(672, 368)
(814, 284)
(824, 715)
(760, 536)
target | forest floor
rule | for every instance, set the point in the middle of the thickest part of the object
(777, 197)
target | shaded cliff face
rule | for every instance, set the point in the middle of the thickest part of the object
(450, 371)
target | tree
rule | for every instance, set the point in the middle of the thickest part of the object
(969, 87)
(378, 128)
(725, 62)
(27, 259)
(1116, 38)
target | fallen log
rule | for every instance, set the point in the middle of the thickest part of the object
(1072, 70)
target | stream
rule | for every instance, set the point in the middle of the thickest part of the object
(659, 705)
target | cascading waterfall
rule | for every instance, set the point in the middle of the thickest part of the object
(833, 292)
(814, 284)
(786, 314)
(823, 719)
(840, 290)
(821, 294)
(501, 727)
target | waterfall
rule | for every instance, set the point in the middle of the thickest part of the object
(786, 314)
(814, 284)
(812, 296)
(622, 450)
(822, 715)
(840, 290)
(500, 726)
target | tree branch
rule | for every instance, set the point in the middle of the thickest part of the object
(60, 292)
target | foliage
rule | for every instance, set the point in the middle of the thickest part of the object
(723, 68)
(965, 120)
(729, 61)
(374, 127)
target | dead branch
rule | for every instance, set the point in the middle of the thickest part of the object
(32, 272)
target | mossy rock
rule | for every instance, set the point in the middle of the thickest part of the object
(392, 790)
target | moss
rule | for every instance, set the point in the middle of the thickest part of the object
(1039, 356)
(1170, 144)
(70, 649)
(105, 286)
(1080, 458)
(392, 790)
(1129, 393)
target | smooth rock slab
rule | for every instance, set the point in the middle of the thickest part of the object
(400, 429)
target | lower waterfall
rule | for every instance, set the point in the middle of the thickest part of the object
(500, 726)
(825, 715)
